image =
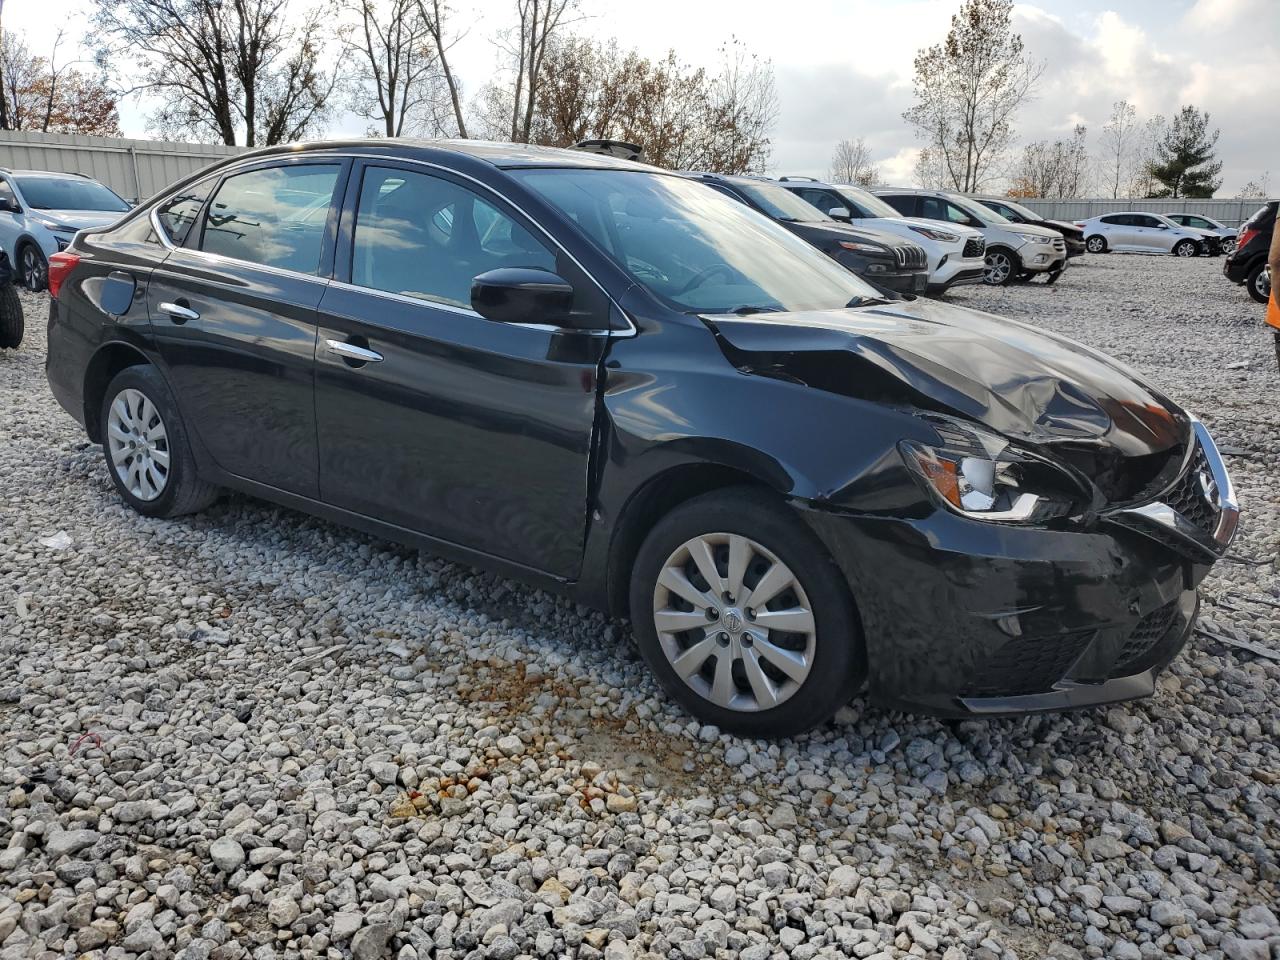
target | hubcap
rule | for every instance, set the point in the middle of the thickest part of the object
(1186, 250)
(138, 444)
(1095, 245)
(734, 622)
(31, 268)
(998, 268)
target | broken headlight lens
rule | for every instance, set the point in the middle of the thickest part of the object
(979, 475)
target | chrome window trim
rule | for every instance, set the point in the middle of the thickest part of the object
(165, 240)
(279, 271)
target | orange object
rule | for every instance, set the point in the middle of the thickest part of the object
(1273, 309)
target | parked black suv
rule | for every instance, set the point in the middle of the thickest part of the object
(1017, 213)
(615, 383)
(1247, 263)
(880, 257)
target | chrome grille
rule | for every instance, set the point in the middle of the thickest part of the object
(975, 247)
(1189, 497)
(909, 255)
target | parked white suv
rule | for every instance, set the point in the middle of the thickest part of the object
(1015, 251)
(957, 254)
(1136, 232)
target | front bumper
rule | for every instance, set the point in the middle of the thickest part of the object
(956, 271)
(915, 281)
(966, 618)
(1043, 257)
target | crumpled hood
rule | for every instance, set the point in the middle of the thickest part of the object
(1015, 379)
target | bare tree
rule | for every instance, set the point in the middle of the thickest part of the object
(396, 79)
(1054, 169)
(38, 93)
(928, 171)
(681, 116)
(1259, 189)
(223, 68)
(851, 163)
(968, 89)
(538, 23)
(1144, 183)
(435, 16)
(1119, 144)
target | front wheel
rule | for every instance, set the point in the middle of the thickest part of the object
(1096, 244)
(1185, 248)
(146, 447)
(743, 616)
(1228, 245)
(33, 268)
(1258, 283)
(11, 321)
(1002, 268)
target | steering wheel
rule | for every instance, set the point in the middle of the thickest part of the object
(705, 274)
(644, 270)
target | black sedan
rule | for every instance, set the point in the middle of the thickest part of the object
(1014, 212)
(884, 259)
(615, 383)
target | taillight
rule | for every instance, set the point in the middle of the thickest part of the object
(60, 265)
(1247, 234)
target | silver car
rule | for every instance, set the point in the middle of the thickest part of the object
(40, 213)
(1224, 233)
(1136, 232)
(1015, 251)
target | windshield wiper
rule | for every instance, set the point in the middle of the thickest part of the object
(749, 308)
(865, 301)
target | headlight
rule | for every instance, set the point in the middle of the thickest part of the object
(981, 476)
(53, 225)
(860, 247)
(935, 234)
(1035, 238)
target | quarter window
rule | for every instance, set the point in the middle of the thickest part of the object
(179, 212)
(275, 216)
(423, 236)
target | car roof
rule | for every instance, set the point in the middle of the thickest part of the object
(500, 155)
(47, 174)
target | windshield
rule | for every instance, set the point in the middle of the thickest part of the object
(868, 203)
(1025, 212)
(693, 247)
(976, 210)
(71, 193)
(781, 203)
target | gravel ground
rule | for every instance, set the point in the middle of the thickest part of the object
(253, 733)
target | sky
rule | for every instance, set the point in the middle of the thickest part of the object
(843, 67)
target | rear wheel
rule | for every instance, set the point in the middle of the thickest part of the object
(1002, 268)
(146, 446)
(1185, 248)
(743, 616)
(33, 268)
(1258, 283)
(11, 322)
(1096, 244)
(1228, 244)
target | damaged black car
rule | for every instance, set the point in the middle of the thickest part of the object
(616, 384)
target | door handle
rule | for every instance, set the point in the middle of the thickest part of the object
(178, 313)
(350, 351)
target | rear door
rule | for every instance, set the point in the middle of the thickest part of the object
(431, 417)
(234, 315)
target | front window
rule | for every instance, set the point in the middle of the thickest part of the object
(868, 203)
(1004, 207)
(69, 193)
(694, 248)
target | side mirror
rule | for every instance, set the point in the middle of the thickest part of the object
(840, 213)
(9, 205)
(521, 295)
(1163, 226)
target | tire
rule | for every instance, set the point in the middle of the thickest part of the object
(1185, 248)
(1258, 283)
(779, 546)
(1096, 244)
(1228, 245)
(1002, 267)
(161, 489)
(1053, 276)
(33, 267)
(11, 320)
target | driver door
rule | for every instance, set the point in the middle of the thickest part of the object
(432, 418)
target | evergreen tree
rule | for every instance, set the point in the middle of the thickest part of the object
(1184, 163)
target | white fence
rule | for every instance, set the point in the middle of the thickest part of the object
(1231, 212)
(135, 169)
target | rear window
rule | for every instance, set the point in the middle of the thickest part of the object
(178, 214)
(275, 217)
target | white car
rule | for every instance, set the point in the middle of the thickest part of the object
(1224, 233)
(957, 254)
(1015, 251)
(1142, 233)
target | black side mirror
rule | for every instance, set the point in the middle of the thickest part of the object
(9, 205)
(522, 295)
